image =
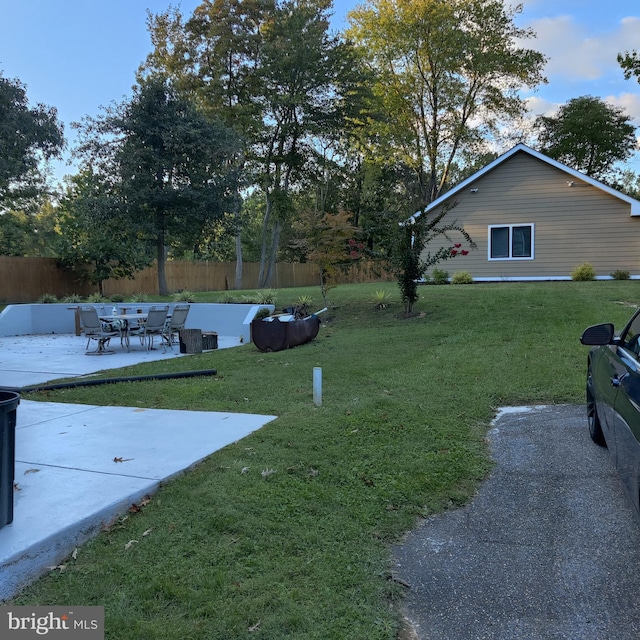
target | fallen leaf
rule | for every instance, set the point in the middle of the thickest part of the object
(145, 501)
(267, 472)
(147, 532)
(245, 469)
(129, 544)
(74, 555)
(31, 471)
(134, 508)
(255, 627)
(60, 567)
(16, 487)
(122, 459)
(313, 472)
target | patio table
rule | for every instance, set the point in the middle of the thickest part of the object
(125, 331)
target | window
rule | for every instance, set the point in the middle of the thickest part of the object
(511, 242)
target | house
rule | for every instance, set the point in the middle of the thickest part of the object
(533, 218)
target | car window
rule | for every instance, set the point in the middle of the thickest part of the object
(631, 336)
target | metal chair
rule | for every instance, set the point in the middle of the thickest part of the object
(175, 324)
(154, 326)
(95, 329)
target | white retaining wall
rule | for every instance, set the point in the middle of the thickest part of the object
(225, 319)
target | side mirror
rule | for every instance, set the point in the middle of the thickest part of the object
(598, 334)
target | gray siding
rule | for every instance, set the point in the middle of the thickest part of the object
(572, 224)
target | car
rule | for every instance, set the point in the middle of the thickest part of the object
(613, 397)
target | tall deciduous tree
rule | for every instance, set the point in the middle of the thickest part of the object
(28, 135)
(272, 69)
(448, 72)
(173, 168)
(588, 135)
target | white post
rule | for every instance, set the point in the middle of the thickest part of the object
(317, 386)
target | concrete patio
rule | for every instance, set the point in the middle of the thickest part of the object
(79, 466)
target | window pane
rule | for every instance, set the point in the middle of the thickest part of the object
(521, 242)
(500, 242)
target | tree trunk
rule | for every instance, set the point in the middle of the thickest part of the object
(162, 278)
(275, 241)
(238, 284)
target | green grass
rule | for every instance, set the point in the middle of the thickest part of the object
(304, 552)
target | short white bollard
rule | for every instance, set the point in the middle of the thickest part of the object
(317, 386)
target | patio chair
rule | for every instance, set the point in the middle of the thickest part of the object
(95, 329)
(154, 326)
(175, 324)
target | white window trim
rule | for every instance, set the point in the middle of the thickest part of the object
(510, 227)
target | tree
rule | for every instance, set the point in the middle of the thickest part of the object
(408, 261)
(28, 135)
(96, 240)
(273, 70)
(448, 73)
(588, 135)
(172, 168)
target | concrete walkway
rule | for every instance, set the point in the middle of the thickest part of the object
(79, 466)
(549, 549)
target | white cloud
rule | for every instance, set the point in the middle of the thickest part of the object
(630, 102)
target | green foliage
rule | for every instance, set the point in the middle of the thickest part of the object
(184, 296)
(620, 275)
(266, 296)
(96, 298)
(445, 72)
(228, 297)
(583, 272)
(589, 135)
(304, 301)
(47, 298)
(630, 64)
(172, 170)
(380, 299)
(27, 136)
(462, 277)
(140, 297)
(74, 298)
(116, 297)
(262, 313)
(439, 276)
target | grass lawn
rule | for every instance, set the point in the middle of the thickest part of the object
(286, 533)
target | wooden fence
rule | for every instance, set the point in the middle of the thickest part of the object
(27, 279)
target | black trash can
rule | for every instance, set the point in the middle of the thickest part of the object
(9, 401)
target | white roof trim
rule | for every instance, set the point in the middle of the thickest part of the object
(635, 204)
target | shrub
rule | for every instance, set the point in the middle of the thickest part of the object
(380, 299)
(95, 298)
(228, 298)
(620, 275)
(74, 298)
(47, 298)
(304, 300)
(583, 272)
(266, 296)
(117, 298)
(462, 277)
(184, 296)
(438, 276)
(139, 297)
(262, 313)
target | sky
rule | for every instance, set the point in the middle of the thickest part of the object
(80, 55)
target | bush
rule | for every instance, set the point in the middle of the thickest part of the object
(462, 277)
(117, 298)
(184, 296)
(47, 298)
(139, 297)
(95, 298)
(74, 298)
(583, 272)
(262, 313)
(228, 298)
(438, 276)
(380, 299)
(266, 296)
(620, 275)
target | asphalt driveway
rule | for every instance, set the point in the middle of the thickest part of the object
(548, 549)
